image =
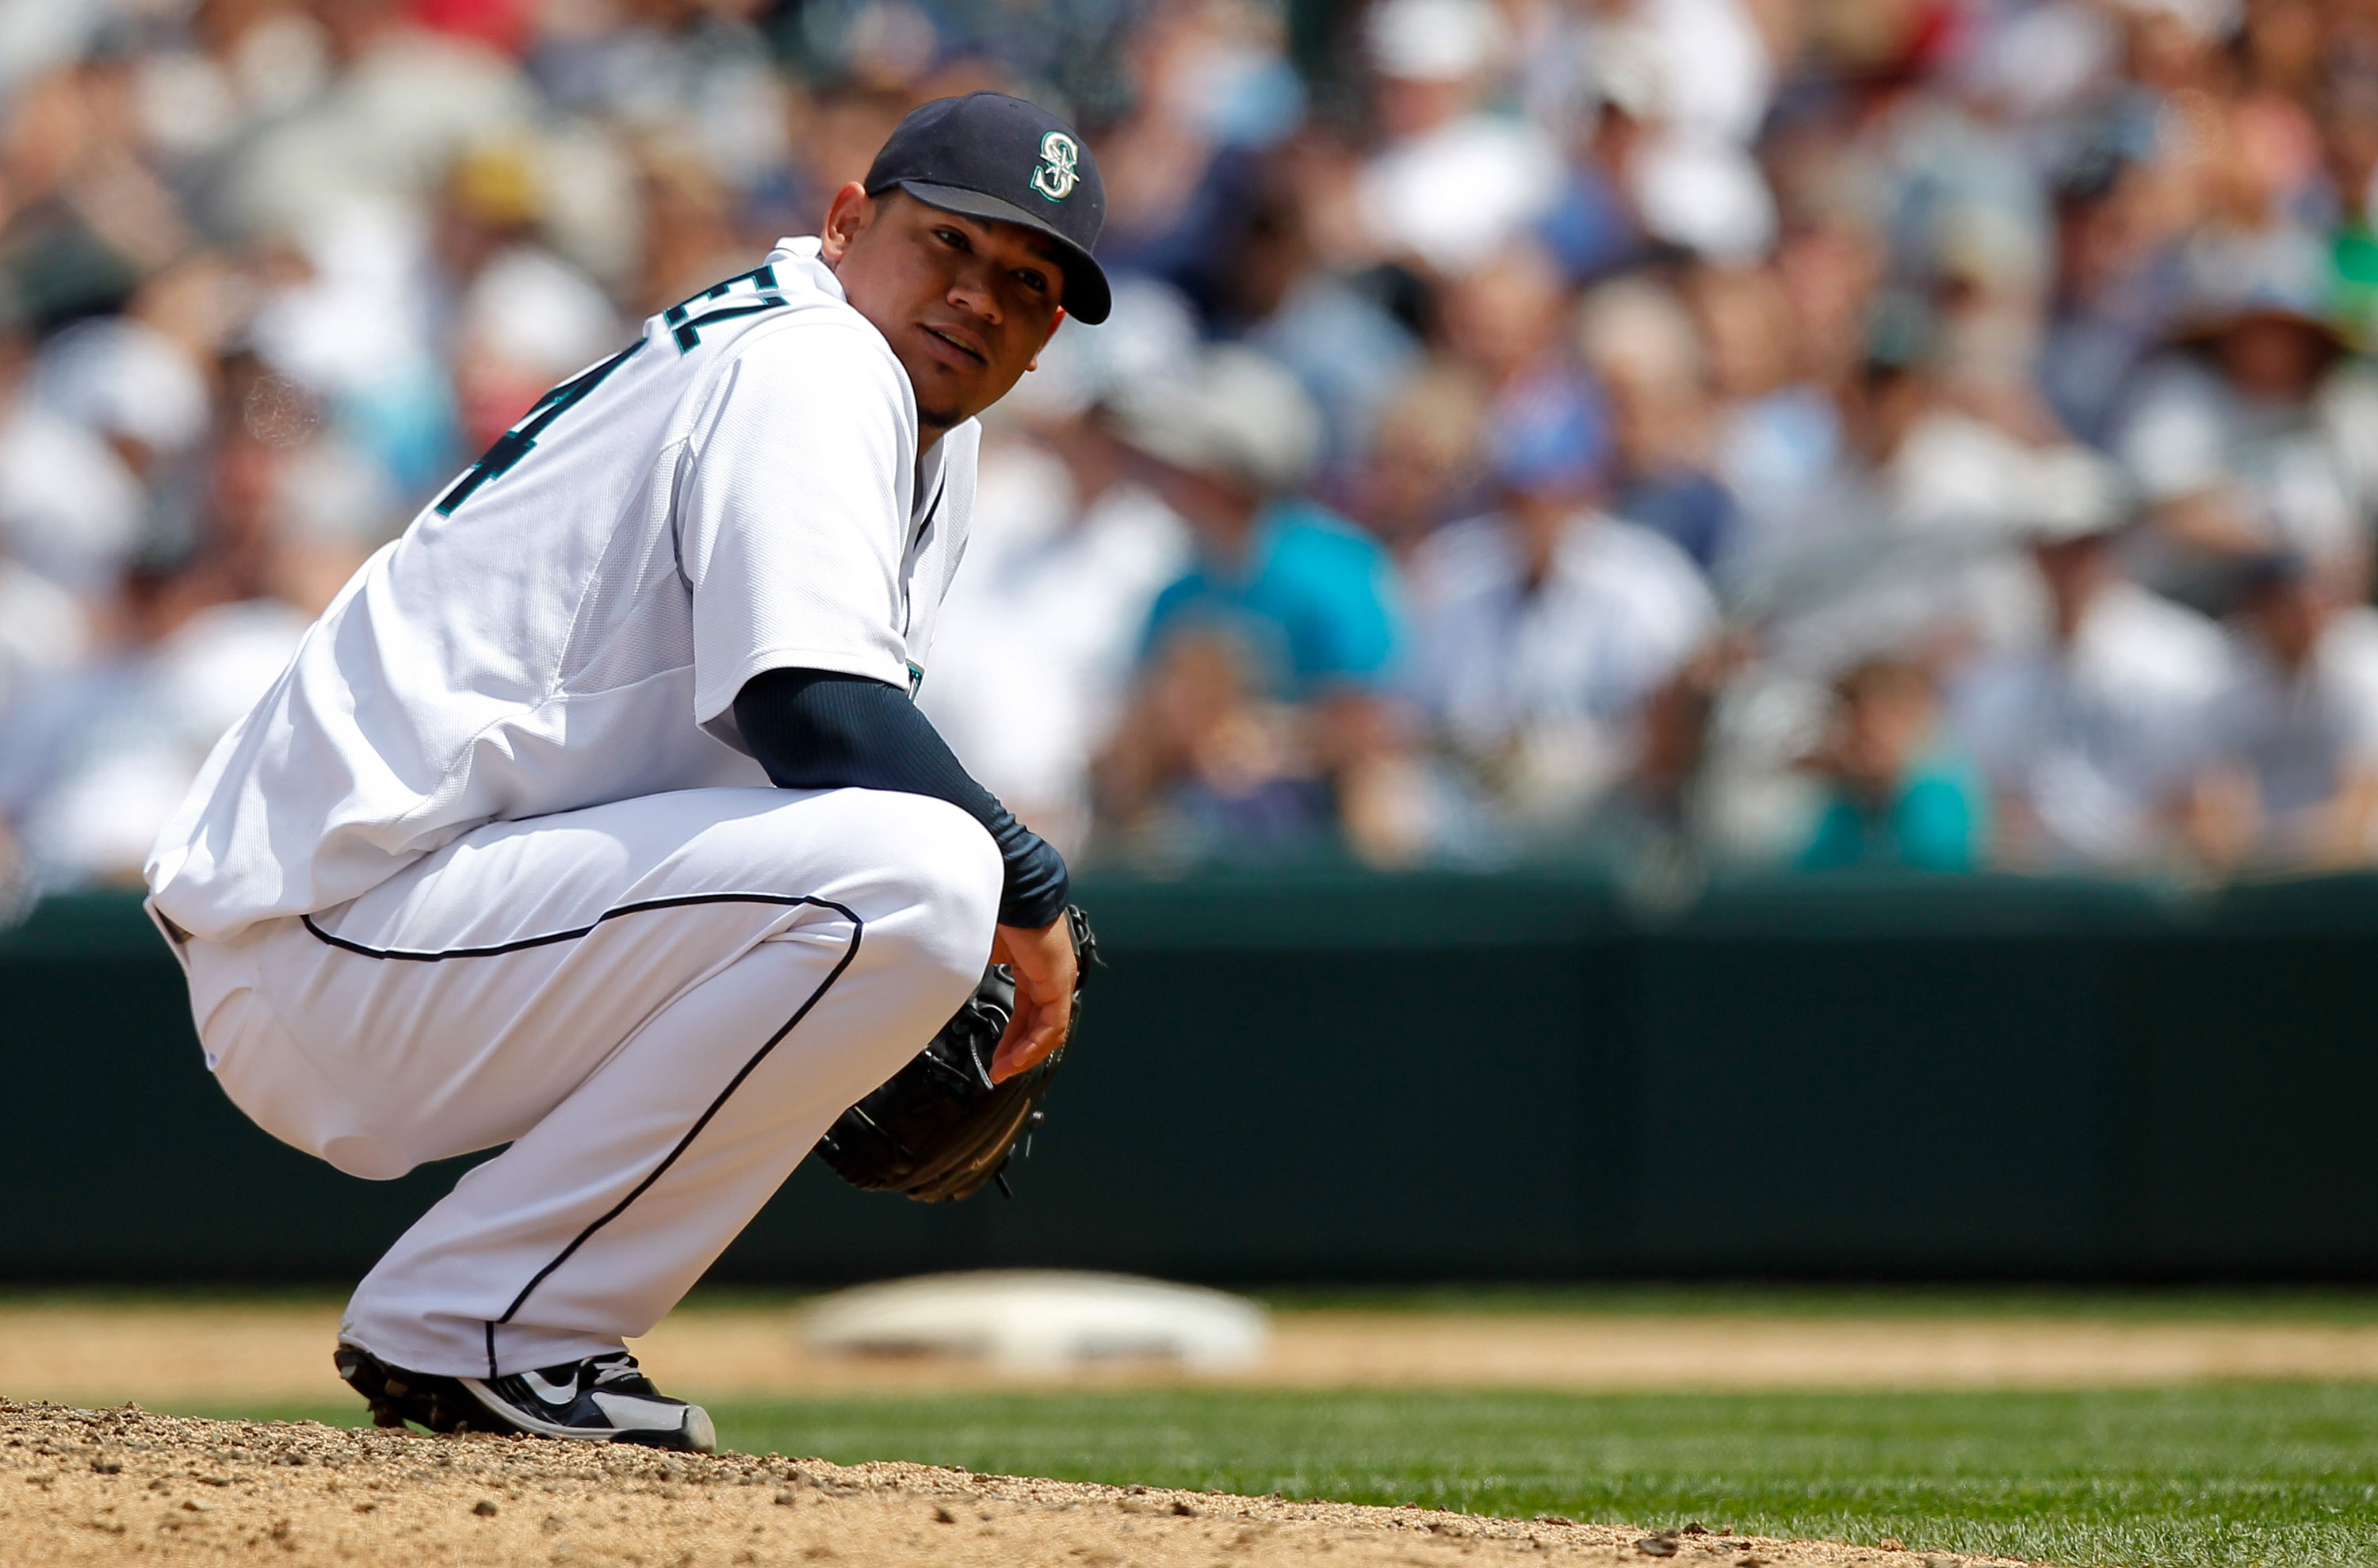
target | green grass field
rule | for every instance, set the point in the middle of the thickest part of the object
(2233, 1475)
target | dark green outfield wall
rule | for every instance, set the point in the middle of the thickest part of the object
(1365, 1078)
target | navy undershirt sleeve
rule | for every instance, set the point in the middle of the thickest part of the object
(813, 729)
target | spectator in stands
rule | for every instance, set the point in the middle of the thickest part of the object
(1898, 799)
(1776, 436)
(2089, 735)
(2251, 434)
(1188, 167)
(1507, 321)
(1643, 347)
(2113, 288)
(45, 631)
(1283, 601)
(1451, 180)
(2292, 776)
(93, 763)
(1802, 290)
(1425, 464)
(1207, 768)
(518, 319)
(402, 104)
(1311, 599)
(70, 506)
(1347, 349)
(1652, 830)
(1540, 628)
(139, 382)
(1692, 80)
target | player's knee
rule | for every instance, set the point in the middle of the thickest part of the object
(923, 877)
(373, 1159)
(941, 881)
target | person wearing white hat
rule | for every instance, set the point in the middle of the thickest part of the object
(2253, 431)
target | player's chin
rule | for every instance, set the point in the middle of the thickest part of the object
(938, 417)
(945, 395)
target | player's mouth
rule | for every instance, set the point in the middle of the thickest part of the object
(959, 343)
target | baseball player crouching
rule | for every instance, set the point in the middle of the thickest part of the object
(595, 818)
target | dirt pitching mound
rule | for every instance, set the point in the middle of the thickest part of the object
(107, 1486)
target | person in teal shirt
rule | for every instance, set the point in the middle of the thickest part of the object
(1261, 731)
(1897, 798)
(1311, 599)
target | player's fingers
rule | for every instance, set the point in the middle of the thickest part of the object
(1030, 1038)
(1013, 1059)
(1025, 1047)
(1044, 975)
(1013, 1038)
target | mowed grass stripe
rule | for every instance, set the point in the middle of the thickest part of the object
(2227, 1475)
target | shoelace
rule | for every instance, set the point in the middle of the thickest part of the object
(613, 1369)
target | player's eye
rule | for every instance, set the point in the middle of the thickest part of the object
(1037, 281)
(951, 238)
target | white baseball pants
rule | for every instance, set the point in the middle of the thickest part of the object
(660, 1004)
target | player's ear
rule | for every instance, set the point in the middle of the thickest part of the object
(1055, 322)
(846, 217)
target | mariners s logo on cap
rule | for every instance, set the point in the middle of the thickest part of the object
(1060, 162)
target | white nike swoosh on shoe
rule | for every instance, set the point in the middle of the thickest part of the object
(563, 1394)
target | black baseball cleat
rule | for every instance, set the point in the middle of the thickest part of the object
(602, 1399)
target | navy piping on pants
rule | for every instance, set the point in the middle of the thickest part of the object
(858, 931)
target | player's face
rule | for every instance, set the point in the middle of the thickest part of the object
(966, 304)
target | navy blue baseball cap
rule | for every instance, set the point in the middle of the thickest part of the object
(987, 155)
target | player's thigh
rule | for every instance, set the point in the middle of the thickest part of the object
(454, 1005)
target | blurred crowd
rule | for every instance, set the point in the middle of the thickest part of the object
(1661, 436)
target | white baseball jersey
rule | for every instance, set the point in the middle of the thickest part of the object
(2302, 734)
(568, 623)
(2097, 737)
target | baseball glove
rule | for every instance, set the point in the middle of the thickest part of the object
(940, 1129)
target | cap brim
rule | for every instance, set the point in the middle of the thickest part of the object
(1087, 298)
(2203, 326)
(1157, 420)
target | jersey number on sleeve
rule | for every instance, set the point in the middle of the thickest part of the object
(687, 333)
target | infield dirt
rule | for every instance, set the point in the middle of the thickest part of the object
(86, 1487)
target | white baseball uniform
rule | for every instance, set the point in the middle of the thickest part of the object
(490, 864)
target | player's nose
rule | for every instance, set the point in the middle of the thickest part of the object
(971, 292)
